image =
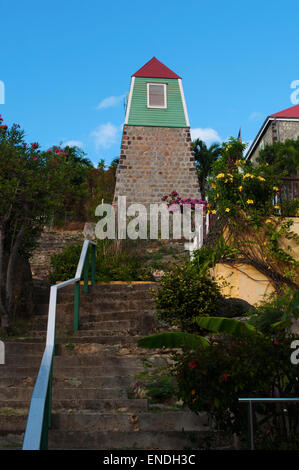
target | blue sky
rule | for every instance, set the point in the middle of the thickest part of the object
(66, 65)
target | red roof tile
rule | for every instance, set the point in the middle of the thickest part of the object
(155, 69)
(292, 112)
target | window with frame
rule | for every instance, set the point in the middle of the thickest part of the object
(156, 95)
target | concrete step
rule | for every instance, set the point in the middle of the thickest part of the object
(126, 422)
(73, 381)
(144, 421)
(17, 348)
(90, 317)
(143, 440)
(62, 371)
(100, 405)
(99, 306)
(105, 359)
(25, 393)
(109, 340)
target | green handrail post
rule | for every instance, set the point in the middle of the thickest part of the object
(76, 305)
(93, 264)
(86, 269)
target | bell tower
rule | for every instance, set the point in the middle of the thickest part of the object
(156, 153)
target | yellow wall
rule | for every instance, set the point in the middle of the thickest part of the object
(245, 282)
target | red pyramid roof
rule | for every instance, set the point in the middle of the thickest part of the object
(155, 69)
(292, 112)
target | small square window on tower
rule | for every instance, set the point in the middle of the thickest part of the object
(156, 95)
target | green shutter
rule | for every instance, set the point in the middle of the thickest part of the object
(141, 115)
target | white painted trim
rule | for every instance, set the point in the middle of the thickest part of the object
(165, 95)
(129, 100)
(184, 103)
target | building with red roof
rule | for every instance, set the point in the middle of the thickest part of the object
(277, 127)
(156, 156)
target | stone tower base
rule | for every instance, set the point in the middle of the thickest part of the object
(155, 161)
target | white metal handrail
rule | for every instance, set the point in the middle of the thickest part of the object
(39, 417)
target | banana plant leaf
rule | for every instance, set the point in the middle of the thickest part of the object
(226, 325)
(175, 340)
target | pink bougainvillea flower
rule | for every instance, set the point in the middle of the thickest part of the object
(224, 377)
(192, 364)
(3, 127)
(34, 145)
(35, 158)
(277, 343)
(24, 143)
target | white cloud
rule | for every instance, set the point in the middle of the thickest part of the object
(73, 143)
(110, 102)
(255, 116)
(105, 135)
(208, 135)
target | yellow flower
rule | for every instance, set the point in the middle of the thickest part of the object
(248, 175)
(217, 195)
(249, 201)
(275, 188)
(220, 175)
(238, 162)
(268, 221)
(213, 185)
(214, 211)
(276, 207)
(227, 209)
(240, 188)
(252, 176)
(261, 178)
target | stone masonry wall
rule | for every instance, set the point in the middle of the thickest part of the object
(155, 161)
(281, 131)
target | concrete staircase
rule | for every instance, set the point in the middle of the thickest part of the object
(94, 370)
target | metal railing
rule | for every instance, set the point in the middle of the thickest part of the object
(40, 411)
(250, 402)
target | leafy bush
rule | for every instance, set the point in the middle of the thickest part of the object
(184, 294)
(280, 309)
(115, 262)
(157, 384)
(212, 379)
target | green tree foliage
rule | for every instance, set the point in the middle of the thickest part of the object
(204, 158)
(282, 157)
(244, 199)
(30, 192)
(101, 183)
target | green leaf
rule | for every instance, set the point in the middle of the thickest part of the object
(173, 340)
(226, 325)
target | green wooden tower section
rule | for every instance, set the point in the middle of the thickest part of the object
(156, 151)
(141, 115)
(154, 81)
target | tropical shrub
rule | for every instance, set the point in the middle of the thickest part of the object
(31, 186)
(212, 379)
(184, 294)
